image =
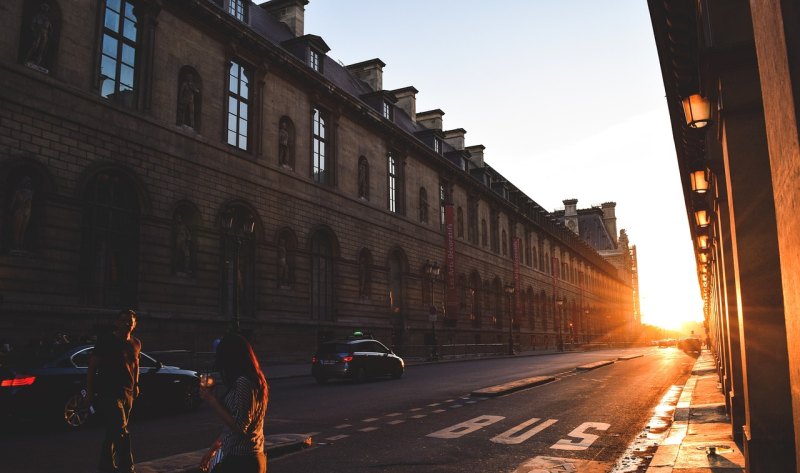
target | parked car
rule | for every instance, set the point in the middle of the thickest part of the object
(357, 359)
(49, 384)
(691, 345)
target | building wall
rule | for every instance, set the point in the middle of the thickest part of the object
(56, 128)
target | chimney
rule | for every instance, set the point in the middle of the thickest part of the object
(370, 71)
(610, 219)
(571, 215)
(432, 119)
(407, 101)
(288, 12)
(455, 137)
(476, 154)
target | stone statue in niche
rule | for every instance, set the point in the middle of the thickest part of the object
(283, 264)
(283, 143)
(188, 94)
(41, 30)
(183, 247)
(21, 208)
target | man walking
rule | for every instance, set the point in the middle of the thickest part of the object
(114, 375)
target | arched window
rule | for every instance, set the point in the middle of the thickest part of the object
(475, 295)
(498, 293)
(534, 257)
(322, 284)
(544, 309)
(111, 240)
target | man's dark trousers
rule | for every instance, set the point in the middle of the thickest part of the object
(116, 455)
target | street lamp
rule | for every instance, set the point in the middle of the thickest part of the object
(240, 227)
(509, 289)
(432, 270)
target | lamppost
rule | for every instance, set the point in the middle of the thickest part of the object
(586, 325)
(509, 289)
(239, 227)
(560, 315)
(432, 271)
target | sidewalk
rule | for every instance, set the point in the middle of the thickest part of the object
(699, 440)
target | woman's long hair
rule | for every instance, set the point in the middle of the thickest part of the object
(235, 358)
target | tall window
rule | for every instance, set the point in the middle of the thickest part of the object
(236, 9)
(118, 58)
(437, 145)
(392, 183)
(442, 201)
(483, 232)
(238, 105)
(387, 110)
(321, 277)
(460, 222)
(472, 219)
(111, 240)
(313, 60)
(320, 147)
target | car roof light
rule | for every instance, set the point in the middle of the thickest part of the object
(18, 381)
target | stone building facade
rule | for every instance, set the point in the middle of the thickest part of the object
(206, 162)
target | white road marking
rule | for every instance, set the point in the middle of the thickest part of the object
(456, 406)
(509, 438)
(371, 419)
(343, 426)
(311, 434)
(415, 409)
(419, 416)
(395, 422)
(450, 400)
(434, 404)
(337, 437)
(368, 429)
(580, 432)
(466, 427)
(438, 411)
(394, 414)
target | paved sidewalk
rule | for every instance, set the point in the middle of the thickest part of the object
(700, 439)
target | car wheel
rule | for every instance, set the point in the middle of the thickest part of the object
(75, 414)
(397, 372)
(361, 375)
(321, 379)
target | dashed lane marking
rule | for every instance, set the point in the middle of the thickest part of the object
(344, 426)
(337, 437)
(415, 409)
(434, 404)
(419, 416)
(456, 406)
(371, 419)
(368, 429)
(395, 422)
(394, 414)
(439, 411)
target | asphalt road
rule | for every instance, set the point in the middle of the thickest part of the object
(424, 422)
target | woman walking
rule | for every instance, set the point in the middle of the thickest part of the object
(240, 447)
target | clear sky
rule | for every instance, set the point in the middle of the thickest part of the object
(567, 98)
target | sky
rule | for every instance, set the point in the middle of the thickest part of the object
(566, 96)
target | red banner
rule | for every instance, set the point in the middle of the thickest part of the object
(450, 258)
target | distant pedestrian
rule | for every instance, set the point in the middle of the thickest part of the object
(114, 375)
(240, 446)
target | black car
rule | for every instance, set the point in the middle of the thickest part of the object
(49, 384)
(356, 359)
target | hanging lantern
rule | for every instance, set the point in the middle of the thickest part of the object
(697, 110)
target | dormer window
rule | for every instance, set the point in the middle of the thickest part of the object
(236, 9)
(314, 60)
(387, 110)
(437, 145)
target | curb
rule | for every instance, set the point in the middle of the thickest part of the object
(595, 365)
(506, 388)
